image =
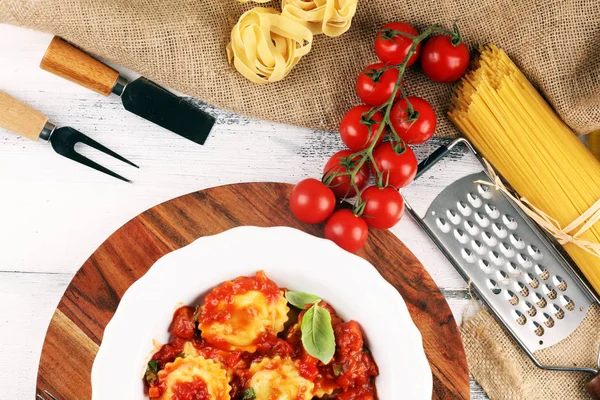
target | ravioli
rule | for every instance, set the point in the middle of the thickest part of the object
(194, 376)
(237, 314)
(279, 378)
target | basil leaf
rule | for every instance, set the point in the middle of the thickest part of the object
(317, 334)
(182, 355)
(151, 372)
(249, 394)
(153, 365)
(301, 299)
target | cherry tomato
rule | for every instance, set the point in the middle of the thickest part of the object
(444, 61)
(398, 169)
(417, 131)
(384, 206)
(358, 131)
(392, 47)
(347, 230)
(375, 86)
(311, 201)
(340, 162)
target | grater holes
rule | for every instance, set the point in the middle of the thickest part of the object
(534, 252)
(558, 312)
(503, 277)
(471, 228)
(489, 239)
(482, 220)
(537, 328)
(519, 317)
(532, 280)
(478, 247)
(484, 191)
(522, 289)
(507, 250)
(499, 230)
(567, 303)
(539, 300)
(468, 255)
(542, 272)
(550, 292)
(496, 258)
(560, 283)
(453, 217)
(461, 236)
(464, 208)
(509, 222)
(513, 269)
(493, 286)
(512, 298)
(474, 200)
(529, 309)
(548, 321)
(517, 241)
(524, 260)
(492, 211)
(485, 266)
(443, 225)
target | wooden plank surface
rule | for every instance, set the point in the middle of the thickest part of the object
(54, 213)
(94, 293)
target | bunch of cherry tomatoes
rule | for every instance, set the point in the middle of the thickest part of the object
(378, 135)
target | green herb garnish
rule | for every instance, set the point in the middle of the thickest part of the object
(317, 334)
(300, 299)
(249, 394)
(182, 355)
(151, 371)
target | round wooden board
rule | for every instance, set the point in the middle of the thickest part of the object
(91, 299)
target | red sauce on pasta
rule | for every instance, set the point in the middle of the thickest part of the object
(194, 390)
(349, 376)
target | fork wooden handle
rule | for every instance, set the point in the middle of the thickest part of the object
(593, 388)
(19, 118)
(71, 63)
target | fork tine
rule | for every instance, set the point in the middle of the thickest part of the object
(92, 143)
(50, 394)
(75, 156)
(40, 397)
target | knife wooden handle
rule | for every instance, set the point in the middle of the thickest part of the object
(19, 118)
(593, 388)
(69, 62)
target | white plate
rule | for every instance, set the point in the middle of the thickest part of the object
(291, 258)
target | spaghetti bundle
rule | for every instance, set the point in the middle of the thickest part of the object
(509, 122)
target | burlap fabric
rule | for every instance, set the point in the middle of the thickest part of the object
(181, 44)
(506, 373)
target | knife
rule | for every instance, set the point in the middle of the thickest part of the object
(141, 97)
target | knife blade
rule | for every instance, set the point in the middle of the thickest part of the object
(141, 96)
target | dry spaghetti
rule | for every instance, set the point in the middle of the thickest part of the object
(509, 122)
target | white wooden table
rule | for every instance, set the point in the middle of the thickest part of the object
(54, 213)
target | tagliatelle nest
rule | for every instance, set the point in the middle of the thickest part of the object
(331, 17)
(265, 45)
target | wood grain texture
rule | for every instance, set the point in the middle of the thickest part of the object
(94, 293)
(69, 62)
(17, 117)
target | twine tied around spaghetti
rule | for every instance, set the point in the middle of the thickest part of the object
(563, 235)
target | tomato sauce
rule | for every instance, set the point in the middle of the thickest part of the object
(213, 309)
(194, 390)
(349, 376)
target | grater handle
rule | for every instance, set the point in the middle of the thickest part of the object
(432, 159)
(593, 388)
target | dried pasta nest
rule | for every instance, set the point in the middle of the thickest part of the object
(331, 17)
(265, 45)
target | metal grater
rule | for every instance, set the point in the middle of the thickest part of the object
(514, 268)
